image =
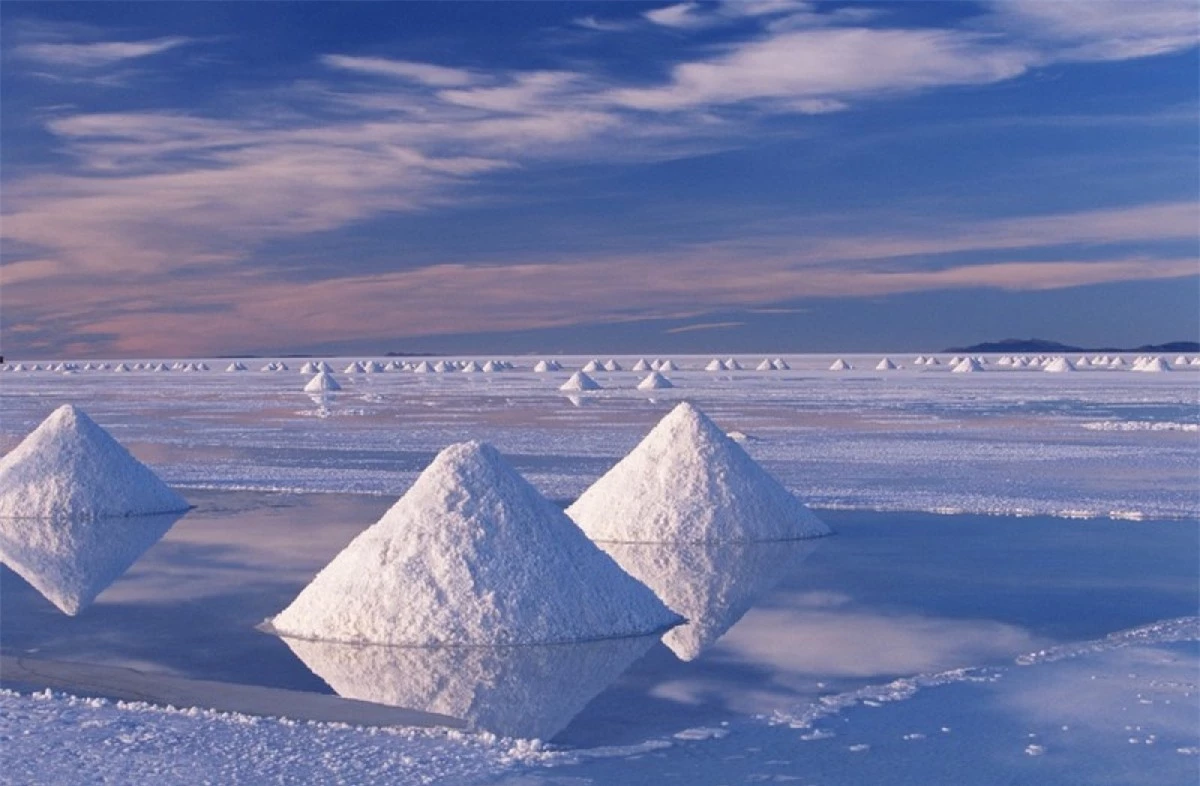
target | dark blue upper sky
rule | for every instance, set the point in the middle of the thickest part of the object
(767, 174)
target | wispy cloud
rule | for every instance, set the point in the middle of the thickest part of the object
(421, 73)
(704, 326)
(97, 54)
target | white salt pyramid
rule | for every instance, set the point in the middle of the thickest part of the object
(441, 367)
(1116, 362)
(309, 368)
(354, 368)
(471, 368)
(716, 365)
(687, 481)
(780, 365)
(655, 381)
(765, 365)
(967, 366)
(472, 555)
(121, 368)
(235, 367)
(840, 365)
(612, 365)
(1181, 361)
(885, 365)
(592, 366)
(641, 365)
(322, 383)
(932, 361)
(1195, 361)
(667, 365)
(732, 365)
(423, 367)
(579, 381)
(1153, 365)
(76, 509)
(1058, 366)
(491, 367)
(541, 367)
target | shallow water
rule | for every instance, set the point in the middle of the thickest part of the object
(890, 595)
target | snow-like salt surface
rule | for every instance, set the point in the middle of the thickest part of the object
(687, 481)
(472, 554)
(1059, 365)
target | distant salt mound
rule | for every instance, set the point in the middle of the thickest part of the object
(472, 555)
(667, 365)
(309, 368)
(716, 365)
(655, 381)
(1116, 362)
(932, 361)
(731, 364)
(441, 367)
(780, 365)
(472, 368)
(885, 365)
(641, 365)
(541, 367)
(579, 381)
(1059, 365)
(592, 366)
(840, 365)
(1153, 365)
(235, 367)
(612, 365)
(492, 366)
(765, 365)
(687, 481)
(76, 509)
(967, 366)
(322, 383)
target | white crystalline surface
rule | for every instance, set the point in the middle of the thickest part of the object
(688, 481)
(472, 554)
(579, 381)
(69, 467)
(1058, 365)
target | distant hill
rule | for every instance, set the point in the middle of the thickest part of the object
(1042, 346)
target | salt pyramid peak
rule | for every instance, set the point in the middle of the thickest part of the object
(579, 381)
(472, 554)
(885, 365)
(687, 481)
(655, 381)
(70, 467)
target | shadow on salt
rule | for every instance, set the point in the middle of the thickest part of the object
(530, 691)
(711, 585)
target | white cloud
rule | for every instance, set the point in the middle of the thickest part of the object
(832, 64)
(682, 16)
(97, 54)
(1103, 29)
(420, 73)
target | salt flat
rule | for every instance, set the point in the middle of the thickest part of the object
(1010, 596)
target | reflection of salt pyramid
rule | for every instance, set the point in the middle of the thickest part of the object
(711, 584)
(688, 481)
(530, 691)
(76, 509)
(472, 554)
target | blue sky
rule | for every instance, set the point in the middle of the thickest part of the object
(775, 175)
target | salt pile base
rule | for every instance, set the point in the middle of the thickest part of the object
(687, 481)
(76, 509)
(472, 554)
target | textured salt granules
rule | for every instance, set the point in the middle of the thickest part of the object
(689, 482)
(472, 554)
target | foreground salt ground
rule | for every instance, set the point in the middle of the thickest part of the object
(1117, 710)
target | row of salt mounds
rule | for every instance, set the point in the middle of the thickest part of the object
(579, 381)
(772, 365)
(472, 555)
(1154, 365)
(921, 360)
(236, 366)
(77, 509)
(1058, 366)
(543, 366)
(687, 481)
(322, 383)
